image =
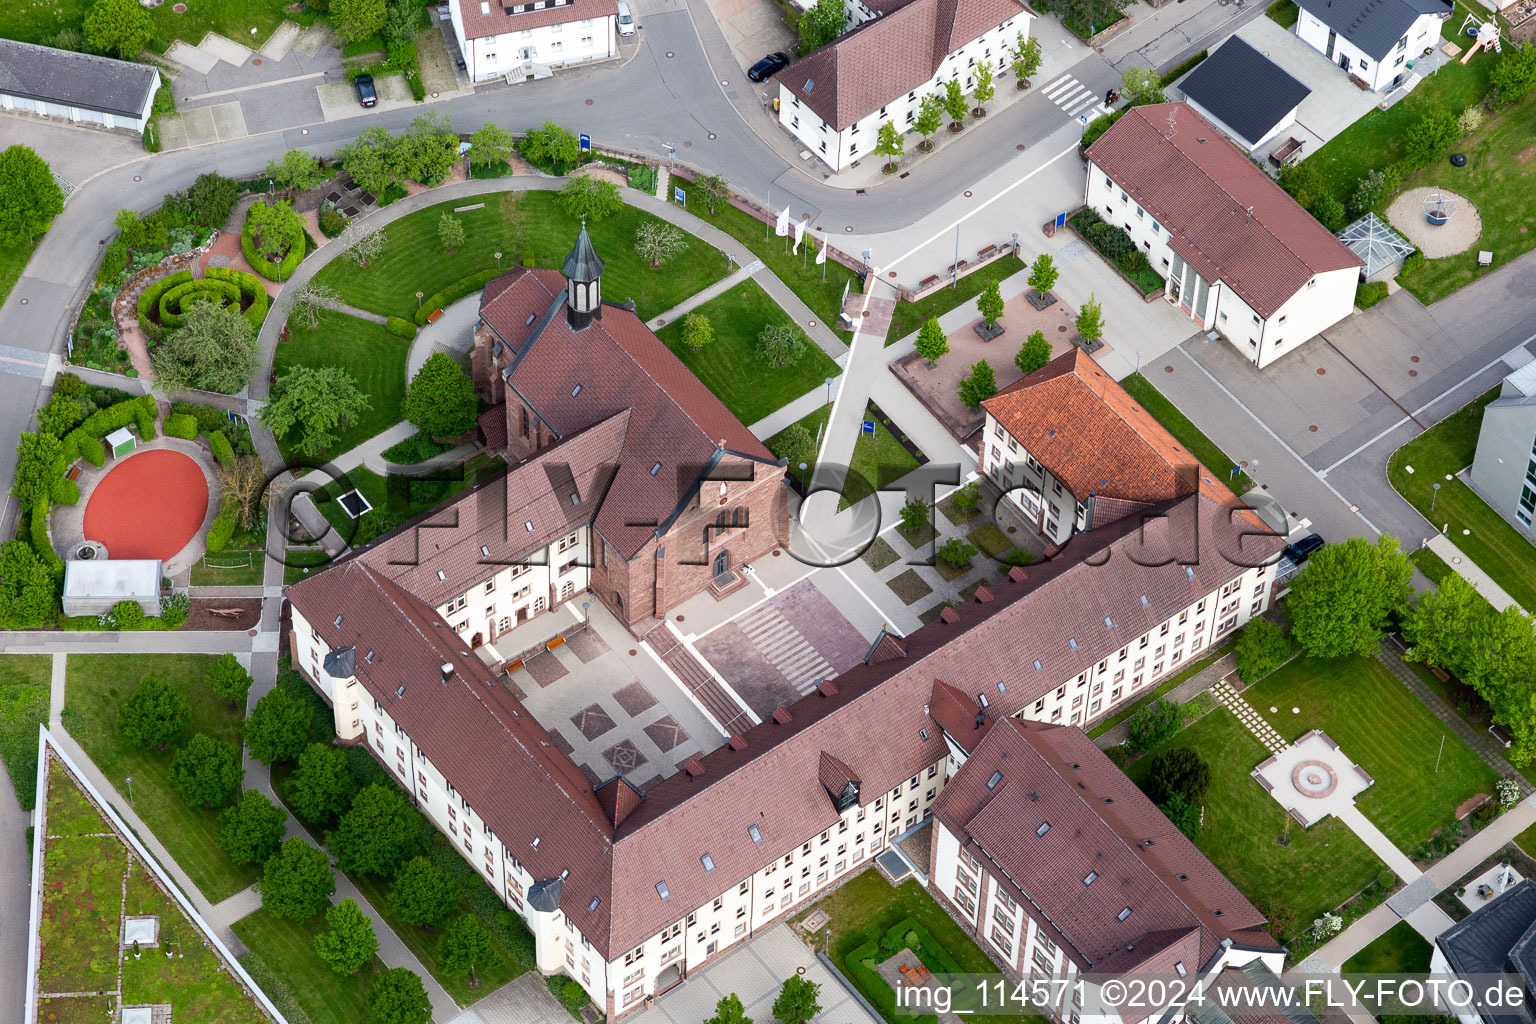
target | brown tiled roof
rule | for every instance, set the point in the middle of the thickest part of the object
(956, 714)
(500, 20)
(834, 774)
(880, 60)
(1225, 216)
(493, 426)
(575, 379)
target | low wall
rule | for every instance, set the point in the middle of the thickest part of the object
(934, 282)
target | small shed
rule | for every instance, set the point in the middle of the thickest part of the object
(122, 442)
(92, 586)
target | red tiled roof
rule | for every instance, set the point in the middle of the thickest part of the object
(499, 19)
(1225, 216)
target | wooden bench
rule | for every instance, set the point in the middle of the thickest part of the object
(73, 474)
(986, 253)
(925, 282)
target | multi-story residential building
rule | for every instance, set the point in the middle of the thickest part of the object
(897, 52)
(1504, 469)
(1374, 41)
(1240, 256)
(521, 39)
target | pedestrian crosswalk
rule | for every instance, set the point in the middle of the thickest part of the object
(1075, 98)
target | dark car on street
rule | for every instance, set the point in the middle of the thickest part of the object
(768, 67)
(1303, 549)
(365, 93)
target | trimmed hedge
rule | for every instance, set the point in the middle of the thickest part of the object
(64, 491)
(39, 537)
(464, 286)
(149, 300)
(183, 426)
(139, 411)
(80, 445)
(1182, 69)
(400, 328)
(174, 301)
(297, 247)
(859, 964)
(253, 294)
(222, 451)
(222, 529)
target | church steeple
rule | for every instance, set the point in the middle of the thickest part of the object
(583, 272)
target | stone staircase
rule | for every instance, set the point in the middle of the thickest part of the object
(700, 682)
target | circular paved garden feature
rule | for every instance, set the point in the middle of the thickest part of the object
(1407, 215)
(1313, 779)
(150, 505)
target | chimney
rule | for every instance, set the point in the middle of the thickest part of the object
(1017, 574)
(983, 594)
(781, 715)
(447, 668)
(826, 688)
(949, 615)
(736, 741)
(694, 767)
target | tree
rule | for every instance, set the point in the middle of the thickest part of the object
(1431, 135)
(954, 104)
(1183, 812)
(1443, 620)
(399, 997)
(1513, 75)
(889, 143)
(658, 242)
(252, 830)
(245, 483)
(120, 26)
(1179, 770)
(797, 1002)
(39, 461)
(915, 515)
(296, 171)
(426, 153)
(492, 144)
(728, 1010)
(591, 198)
(310, 299)
(978, 386)
(229, 679)
(278, 728)
(1153, 723)
(361, 245)
(1033, 354)
(320, 401)
(929, 119)
(697, 330)
(1343, 601)
(1374, 186)
(423, 893)
(1090, 319)
(464, 946)
(297, 881)
(206, 771)
(1261, 648)
(214, 349)
(211, 198)
(824, 22)
(956, 553)
(29, 196)
(1043, 274)
(796, 445)
(552, 146)
(357, 19)
(274, 228)
(450, 231)
(1140, 85)
(441, 398)
(378, 832)
(931, 343)
(27, 587)
(154, 715)
(400, 21)
(348, 942)
(60, 414)
(990, 302)
(780, 345)
(321, 787)
(714, 189)
(368, 158)
(986, 88)
(1026, 57)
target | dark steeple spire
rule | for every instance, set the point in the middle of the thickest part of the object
(583, 272)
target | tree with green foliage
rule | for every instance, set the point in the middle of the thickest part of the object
(450, 232)
(658, 243)
(931, 342)
(697, 330)
(214, 349)
(229, 679)
(296, 171)
(986, 88)
(956, 553)
(348, 942)
(1140, 85)
(551, 146)
(427, 152)
(728, 1010)
(399, 997)
(362, 245)
(321, 787)
(441, 399)
(1443, 620)
(153, 716)
(1513, 76)
(1349, 593)
(464, 947)
(714, 189)
(1177, 770)
(206, 771)
(491, 144)
(357, 19)
(1434, 132)
(423, 894)
(954, 104)
(1026, 58)
(889, 142)
(780, 345)
(369, 159)
(278, 728)
(990, 303)
(798, 1000)
(1183, 812)
(252, 830)
(122, 27)
(1375, 186)
(915, 515)
(60, 414)
(1153, 723)
(318, 401)
(1261, 648)
(274, 228)
(28, 588)
(1033, 354)
(967, 497)
(929, 119)
(39, 461)
(795, 445)
(590, 198)
(824, 22)
(978, 385)
(297, 881)
(1043, 274)
(211, 199)
(29, 196)
(377, 833)
(1090, 319)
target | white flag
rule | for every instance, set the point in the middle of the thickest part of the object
(799, 234)
(782, 227)
(821, 254)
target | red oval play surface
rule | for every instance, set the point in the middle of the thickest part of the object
(148, 506)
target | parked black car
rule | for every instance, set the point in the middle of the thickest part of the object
(1303, 549)
(768, 67)
(365, 93)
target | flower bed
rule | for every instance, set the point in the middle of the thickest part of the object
(863, 961)
(1117, 248)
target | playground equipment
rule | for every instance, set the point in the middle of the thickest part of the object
(1439, 208)
(1485, 36)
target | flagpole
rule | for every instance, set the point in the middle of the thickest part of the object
(770, 212)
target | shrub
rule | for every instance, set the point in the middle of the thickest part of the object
(1178, 771)
(173, 301)
(967, 498)
(222, 530)
(1099, 125)
(222, 452)
(1261, 648)
(400, 328)
(1434, 132)
(419, 447)
(38, 534)
(1413, 261)
(174, 609)
(253, 294)
(1153, 724)
(957, 553)
(64, 491)
(1370, 293)
(1118, 756)
(149, 301)
(1113, 242)
(282, 271)
(460, 288)
(332, 223)
(1134, 262)
(182, 426)
(128, 615)
(89, 448)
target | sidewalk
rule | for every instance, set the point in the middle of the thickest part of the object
(1201, 681)
(702, 296)
(1441, 545)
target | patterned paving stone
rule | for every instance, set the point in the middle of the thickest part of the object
(587, 646)
(624, 756)
(666, 733)
(634, 698)
(545, 668)
(592, 721)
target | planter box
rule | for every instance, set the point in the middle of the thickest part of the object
(1040, 300)
(986, 333)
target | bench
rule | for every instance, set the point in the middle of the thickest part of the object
(73, 474)
(986, 253)
(925, 282)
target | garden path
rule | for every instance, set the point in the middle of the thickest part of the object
(702, 296)
(1181, 694)
(1442, 545)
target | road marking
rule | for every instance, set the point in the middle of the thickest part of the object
(1074, 98)
(257, 85)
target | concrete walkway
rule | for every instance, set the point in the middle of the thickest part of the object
(794, 412)
(1497, 596)
(1181, 694)
(702, 296)
(452, 333)
(1380, 845)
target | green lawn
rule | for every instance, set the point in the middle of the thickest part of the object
(38, 22)
(730, 367)
(1174, 680)
(1319, 869)
(13, 258)
(815, 423)
(288, 949)
(514, 224)
(24, 695)
(801, 276)
(909, 316)
(1386, 730)
(296, 561)
(1185, 432)
(402, 499)
(1446, 449)
(1284, 13)
(97, 685)
(1398, 950)
(879, 460)
(373, 356)
(230, 568)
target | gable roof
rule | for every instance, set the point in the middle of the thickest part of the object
(1244, 90)
(1225, 216)
(1375, 26)
(498, 17)
(895, 52)
(76, 79)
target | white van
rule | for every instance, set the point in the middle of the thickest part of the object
(626, 20)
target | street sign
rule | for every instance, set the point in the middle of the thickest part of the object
(1061, 219)
(586, 143)
(1082, 119)
(679, 196)
(868, 426)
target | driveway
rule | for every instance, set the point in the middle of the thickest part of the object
(753, 28)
